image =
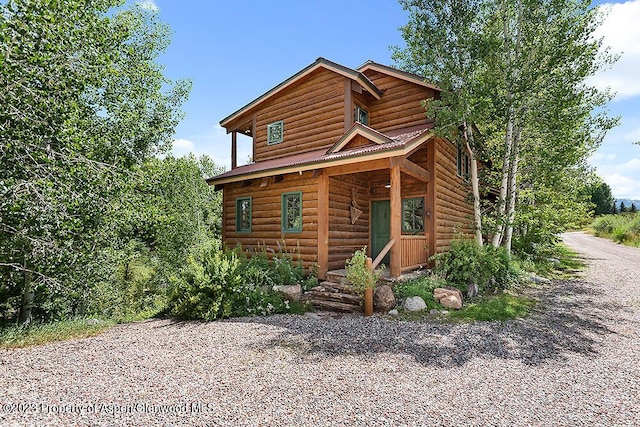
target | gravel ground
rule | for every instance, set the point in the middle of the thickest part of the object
(574, 362)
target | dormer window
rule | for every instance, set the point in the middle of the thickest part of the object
(361, 116)
(275, 132)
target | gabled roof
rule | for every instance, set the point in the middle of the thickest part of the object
(404, 75)
(318, 63)
(396, 143)
(359, 129)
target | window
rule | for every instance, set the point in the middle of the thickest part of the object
(243, 215)
(361, 116)
(463, 161)
(292, 212)
(275, 132)
(413, 215)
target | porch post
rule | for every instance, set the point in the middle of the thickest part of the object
(396, 220)
(234, 149)
(323, 224)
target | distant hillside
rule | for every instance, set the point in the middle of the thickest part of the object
(627, 202)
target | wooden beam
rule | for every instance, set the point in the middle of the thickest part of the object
(365, 166)
(348, 104)
(254, 137)
(323, 224)
(410, 168)
(396, 221)
(430, 200)
(234, 149)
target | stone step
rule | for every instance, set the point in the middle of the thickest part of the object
(337, 287)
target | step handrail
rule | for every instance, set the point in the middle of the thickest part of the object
(383, 253)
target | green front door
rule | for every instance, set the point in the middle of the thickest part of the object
(380, 228)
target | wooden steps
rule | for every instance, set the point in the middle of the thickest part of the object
(335, 297)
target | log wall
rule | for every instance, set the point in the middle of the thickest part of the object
(453, 210)
(266, 215)
(345, 238)
(401, 104)
(313, 115)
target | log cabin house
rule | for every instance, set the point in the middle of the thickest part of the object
(344, 158)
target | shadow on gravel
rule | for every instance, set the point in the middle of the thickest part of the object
(568, 320)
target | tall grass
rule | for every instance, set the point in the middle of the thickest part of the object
(621, 228)
(14, 336)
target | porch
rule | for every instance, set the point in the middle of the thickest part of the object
(384, 204)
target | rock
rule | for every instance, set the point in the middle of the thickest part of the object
(383, 299)
(414, 304)
(538, 279)
(448, 297)
(434, 311)
(444, 312)
(93, 322)
(291, 292)
(393, 312)
(451, 301)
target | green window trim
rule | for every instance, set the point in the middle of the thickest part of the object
(361, 115)
(413, 215)
(462, 159)
(275, 132)
(244, 214)
(291, 220)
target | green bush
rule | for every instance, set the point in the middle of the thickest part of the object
(359, 274)
(422, 287)
(619, 234)
(468, 263)
(216, 284)
(603, 225)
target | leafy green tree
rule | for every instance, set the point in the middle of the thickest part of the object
(601, 197)
(523, 83)
(633, 208)
(83, 101)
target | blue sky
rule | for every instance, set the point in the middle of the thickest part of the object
(236, 50)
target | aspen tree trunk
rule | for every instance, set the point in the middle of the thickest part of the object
(504, 184)
(28, 295)
(513, 190)
(475, 184)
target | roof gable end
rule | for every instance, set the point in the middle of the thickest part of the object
(361, 130)
(318, 63)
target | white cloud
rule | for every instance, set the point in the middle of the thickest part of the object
(149, 5)
(182, 147)
(621, 32)
(623, 186)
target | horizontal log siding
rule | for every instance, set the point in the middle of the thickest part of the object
(454, 213)
(400, 105)
(266, 214)
(345, 238)
(313, 115)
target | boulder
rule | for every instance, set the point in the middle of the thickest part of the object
(290, 292)
(393, 312)
(414, 304)
(451, 301)
(448, 297)
(383, 299)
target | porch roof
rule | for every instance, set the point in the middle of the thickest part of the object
(395, 143)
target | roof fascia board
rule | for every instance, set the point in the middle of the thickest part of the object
(400, 151)
(413, 78)
(320, 62)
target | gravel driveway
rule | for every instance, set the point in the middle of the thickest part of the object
(575, 361)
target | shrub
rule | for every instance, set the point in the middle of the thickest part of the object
(359, 274)
(603, 225)
(216, 284)
(422, 287)
(619, 234)
(467, 263)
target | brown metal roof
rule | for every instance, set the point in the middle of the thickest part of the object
(317, 159)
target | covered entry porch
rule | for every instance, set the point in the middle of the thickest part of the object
(386, 204)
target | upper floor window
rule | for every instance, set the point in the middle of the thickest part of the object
(243, 214)
(361, 115)
(275, 132)
(292, 212)
(413, 215)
